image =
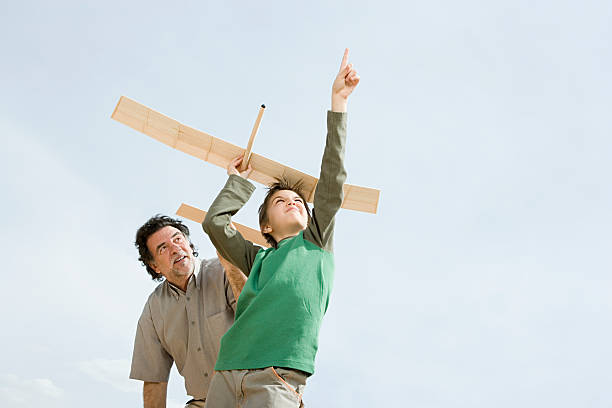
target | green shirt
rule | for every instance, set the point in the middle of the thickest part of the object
(280, 309)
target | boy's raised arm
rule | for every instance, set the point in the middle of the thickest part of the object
(217, 224)
(328, 194)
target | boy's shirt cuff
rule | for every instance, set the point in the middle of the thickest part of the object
(242, 187)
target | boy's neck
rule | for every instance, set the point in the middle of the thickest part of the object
(278, 238)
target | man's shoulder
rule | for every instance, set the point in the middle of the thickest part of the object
(156, 295)
(158, 291)
(153, 302)
(210, 269)
(213, 282)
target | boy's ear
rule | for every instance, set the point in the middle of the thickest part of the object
(267, 229)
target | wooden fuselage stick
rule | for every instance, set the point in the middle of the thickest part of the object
(247, 152)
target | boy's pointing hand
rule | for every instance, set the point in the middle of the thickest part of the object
(232, 168)
(344, 84)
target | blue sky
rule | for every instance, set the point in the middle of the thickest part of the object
(484, 279)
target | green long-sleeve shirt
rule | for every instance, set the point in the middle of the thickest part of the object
(281, 307)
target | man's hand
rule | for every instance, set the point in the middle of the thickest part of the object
(344, 84)
(232, 168)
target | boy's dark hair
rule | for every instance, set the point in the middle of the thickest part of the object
(278, 185)
(149, 228)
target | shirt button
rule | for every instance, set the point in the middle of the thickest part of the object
(188, 298)
(205, 374)
(199, 348)
(192, 322)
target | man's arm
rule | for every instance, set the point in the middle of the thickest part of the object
(151, 363)
(236, 278)
(217, 223)
(154, 394)
(329, 194)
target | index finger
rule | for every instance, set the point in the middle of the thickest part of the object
(344, 62)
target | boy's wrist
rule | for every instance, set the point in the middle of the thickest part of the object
(237, 178)
(339, 103)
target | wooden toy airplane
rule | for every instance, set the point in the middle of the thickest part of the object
(220, 152)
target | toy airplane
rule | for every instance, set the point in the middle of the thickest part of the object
(220, 152)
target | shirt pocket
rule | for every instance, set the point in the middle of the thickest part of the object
(218, 324)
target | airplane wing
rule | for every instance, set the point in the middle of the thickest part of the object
(197, 215)
(216, 151)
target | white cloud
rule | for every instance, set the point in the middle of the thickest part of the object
(16, 391)
(115, 374)
(112, 372)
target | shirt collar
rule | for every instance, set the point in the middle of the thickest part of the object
(288, 239)
(197, 264)
(176, 292)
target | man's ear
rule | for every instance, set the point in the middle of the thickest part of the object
(153, 266)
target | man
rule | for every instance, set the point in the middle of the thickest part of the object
(185, 316)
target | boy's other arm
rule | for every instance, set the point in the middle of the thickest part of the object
(217, 224)
(328, 194)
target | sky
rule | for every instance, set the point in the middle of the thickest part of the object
(485, 278)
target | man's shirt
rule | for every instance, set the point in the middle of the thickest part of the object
(184, 328)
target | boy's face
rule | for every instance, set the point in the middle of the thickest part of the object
(287, 215)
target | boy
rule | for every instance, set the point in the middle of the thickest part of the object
(267, 355)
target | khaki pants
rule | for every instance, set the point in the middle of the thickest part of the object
(262, 388)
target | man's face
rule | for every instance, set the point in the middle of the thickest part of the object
(172, 255)
(286, 214)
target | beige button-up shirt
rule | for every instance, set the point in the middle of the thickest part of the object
(184, 328)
